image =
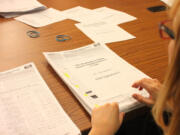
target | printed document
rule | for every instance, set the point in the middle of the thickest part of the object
(113, 16)
(28, 107)
(96, 75)
(82, 14)
(104, 32)
(42, 18)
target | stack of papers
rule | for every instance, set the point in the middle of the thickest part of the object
(13, 8)
(28, 107)
(96, 75)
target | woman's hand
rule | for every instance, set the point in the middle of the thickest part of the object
(106, 119)
(152, 86)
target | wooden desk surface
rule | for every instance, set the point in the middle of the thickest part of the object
(147, 51)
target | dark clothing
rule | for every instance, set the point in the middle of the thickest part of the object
(142, 125)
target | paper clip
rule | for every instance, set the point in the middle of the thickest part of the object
(62, 38)
(33, 34)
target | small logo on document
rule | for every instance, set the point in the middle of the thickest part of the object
(28, 66)
(97, 44)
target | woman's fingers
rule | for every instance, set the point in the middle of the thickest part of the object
(142, 99)
(144, 83)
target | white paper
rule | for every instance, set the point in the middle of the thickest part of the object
(82, 14)
(96, 75)
(42, 18)
(28, 107)
(18, 5)
(168, 2)
(104, 32)
(113, 16)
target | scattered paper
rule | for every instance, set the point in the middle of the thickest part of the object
(28, 107)
(113, 16)
(104, 32)
(82, 14)
(42, 18)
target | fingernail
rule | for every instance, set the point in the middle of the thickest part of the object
(135, 96)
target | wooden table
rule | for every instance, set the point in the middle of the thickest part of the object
(147, 51)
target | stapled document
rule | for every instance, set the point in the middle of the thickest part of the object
(96, 75)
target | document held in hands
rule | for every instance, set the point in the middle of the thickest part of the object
(96, 75)
(28, 107)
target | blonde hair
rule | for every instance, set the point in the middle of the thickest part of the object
(169, 96)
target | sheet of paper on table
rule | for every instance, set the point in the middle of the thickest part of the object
(42, 18)
(82, 14)
(104, 32)
(28, 107)
(114, 16)
(12, 8)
